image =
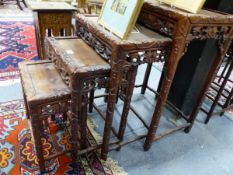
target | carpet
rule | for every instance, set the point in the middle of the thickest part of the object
(17, 43)
(17, 151)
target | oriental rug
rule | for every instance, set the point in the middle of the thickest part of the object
(17, 43)
(17, 151)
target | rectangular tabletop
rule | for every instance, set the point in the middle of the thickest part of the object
(140, 37)
(203, 16)
(51, 6)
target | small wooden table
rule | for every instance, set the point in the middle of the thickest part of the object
(124, 56)
(185, 27)
(51, 19)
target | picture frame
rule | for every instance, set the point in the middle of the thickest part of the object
(119, 16)
(193, 6)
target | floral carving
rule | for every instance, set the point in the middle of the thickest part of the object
(158, 23)
(205, 32)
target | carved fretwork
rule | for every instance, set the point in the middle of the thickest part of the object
(96, 83)
(54, 108)
(135, 58)
(53, 52)
(150, 56)
(206, 32)
(99, 47)
(158, 23)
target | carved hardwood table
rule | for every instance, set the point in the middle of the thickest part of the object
(185, 27)
(51, 19)
(140, 47)
(83, 70)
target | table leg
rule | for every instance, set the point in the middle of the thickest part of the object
(146, 78)
(127, 100)
(18, 3)
(91, 100)
(36, 130)
(227, 103)
(161, 100)
(74, 124)
(219, 93)
(83, 120)
(24, 3)
(115, 77)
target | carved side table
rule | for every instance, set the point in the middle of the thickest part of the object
(144, 46)
(184, 27)
(84, 70)
(51, 19)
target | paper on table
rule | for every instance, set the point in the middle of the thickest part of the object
(189, 5)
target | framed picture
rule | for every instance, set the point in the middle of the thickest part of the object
(119, 16)
(188, 5)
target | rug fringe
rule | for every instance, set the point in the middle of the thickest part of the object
(109, 163)
(114, 167)
(92, 127)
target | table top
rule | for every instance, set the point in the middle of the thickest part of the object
(42, 82)
(77, 55)
(50, 6)
(205, 15)
(140, 37)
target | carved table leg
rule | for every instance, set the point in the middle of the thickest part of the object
(171, 65)
(74, 124)
(36, 125)
(146, 78)
(127, 100)
(83, 120)
(161, 100)
(91, 100)
(115, 77)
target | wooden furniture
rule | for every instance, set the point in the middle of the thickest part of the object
(81, 3)
(193, 68)
(51, 19)
(82, 68)
(94, 4)
(184, 27)
(223, 97)
(16, 1)
(144, 46)
(45, 94)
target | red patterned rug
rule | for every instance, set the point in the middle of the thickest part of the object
(17, 152)
(17, 43)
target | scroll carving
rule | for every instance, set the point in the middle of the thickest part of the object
(158, 23)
